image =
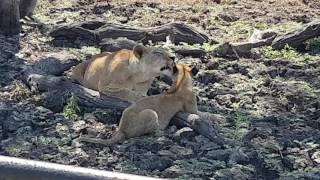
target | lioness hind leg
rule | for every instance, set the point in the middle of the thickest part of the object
(79, 71)
(122, 93)
(146, 122)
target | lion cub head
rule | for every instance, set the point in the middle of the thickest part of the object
(182, 77)
(156, 60)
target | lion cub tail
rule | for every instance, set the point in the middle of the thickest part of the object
(116, 138)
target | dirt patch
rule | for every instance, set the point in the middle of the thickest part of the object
(269, 106)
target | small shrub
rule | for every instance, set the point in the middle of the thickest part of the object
(71, 109)
(313, 45)
(286, 53)
(241, 124)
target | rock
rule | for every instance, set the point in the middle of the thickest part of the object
(227, 99)
(106, 116)
(209, 146)
(316, 157)
(180, 167)
(237, 172)
(288, 163)
(167, 153)
(77, 126)
(24, 133)
(102, 7)
(181, 151)
(185, 133)
(215, 164)
(153, 162)
(231, 70)
(62, 130)
(195, 53)
(228, 17)
(212, 65)
(146, 143)
(210, 76)
(201, 139)
(243, 69)
(238, 157)
(220, 154)
(202, 167)
(171, 129)
(43, 117)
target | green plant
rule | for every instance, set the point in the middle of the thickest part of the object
(90, 50)
(286, 53)
(313, 45)
(240, 122)
(71, 109)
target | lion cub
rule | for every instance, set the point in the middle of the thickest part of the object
(152, 113)
(126, 74)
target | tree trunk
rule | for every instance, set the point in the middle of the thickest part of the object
(9, 17)
(27, 7)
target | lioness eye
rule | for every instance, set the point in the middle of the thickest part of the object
(158, 53)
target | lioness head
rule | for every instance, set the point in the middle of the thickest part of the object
(158, 60)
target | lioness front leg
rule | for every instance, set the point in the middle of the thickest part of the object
(122, 93)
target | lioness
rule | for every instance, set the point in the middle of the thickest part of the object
(126, 74)
(152, 113)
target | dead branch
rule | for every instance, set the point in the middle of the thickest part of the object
(243, 49)
(95, 31)
(297, 37)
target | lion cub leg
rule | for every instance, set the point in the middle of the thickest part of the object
(145, 122)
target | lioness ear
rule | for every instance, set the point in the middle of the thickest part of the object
(194, 70)
(139, 50)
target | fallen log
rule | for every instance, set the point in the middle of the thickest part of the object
(243, 49)
(95, 31)
(112, 45)
(297, 37)
(56, 90)
(268, 38)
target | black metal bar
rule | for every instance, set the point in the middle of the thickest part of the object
(12, 168)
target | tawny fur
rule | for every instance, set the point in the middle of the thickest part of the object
(154, 113)
(126, 74)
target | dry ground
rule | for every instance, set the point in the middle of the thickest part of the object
(270, 105)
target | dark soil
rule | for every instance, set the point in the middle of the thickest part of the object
(269, 106)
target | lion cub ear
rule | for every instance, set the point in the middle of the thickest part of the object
(139, 50)
(194, 70)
